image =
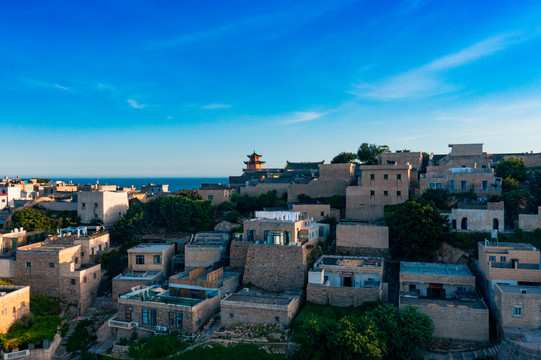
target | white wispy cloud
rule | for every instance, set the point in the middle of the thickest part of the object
(43, 84)
(426, 80)
(303, 116)
(215, 106)
(61, 87)
(134, 104)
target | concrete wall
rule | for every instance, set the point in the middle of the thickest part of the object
(341, 296)
(59, 205)
(149, 265)
(7, 268)
(203, 255)
(457, 322)
(262, 225)
(530, 222)
(530, 304)
(218, 195)
(406, 278)
(124, 286)
(13, 305)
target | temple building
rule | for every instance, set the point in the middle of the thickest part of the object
(255, 162)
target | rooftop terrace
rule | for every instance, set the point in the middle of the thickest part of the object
(150, 247)
(434, 269)
(158, 295)
(516, 289)
(348, 261)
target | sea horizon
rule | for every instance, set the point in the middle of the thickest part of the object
(175, 183)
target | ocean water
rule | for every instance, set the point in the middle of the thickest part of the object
(175, 184)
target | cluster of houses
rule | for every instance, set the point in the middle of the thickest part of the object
(264, 274)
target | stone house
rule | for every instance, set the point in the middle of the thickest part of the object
(191, 300)
(457, 180)
(378, 185)
(345, 280)
(487, 217)
(56, 270)
(216, 193)
(313, 211)
(362, 238)
(151, 257)
(333, 180)
(260, 309)
(518, 306)
(206, 249)
(94, 241)
(107, 206)
(14, 304)
(447, 294)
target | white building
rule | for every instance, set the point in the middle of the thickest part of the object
(107, 206)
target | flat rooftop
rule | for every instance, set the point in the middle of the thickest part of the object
(348, 261)
(509, 246)
(446, 303)
(434, 269)
(139, 275)
(45, 247)
(515, 289)
(259, 299)
(158, 295)
(150, 247)
(203, 278)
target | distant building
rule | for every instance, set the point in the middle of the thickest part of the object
(486, 217)
(312, 211)
(216, 193)
(447, 294)
(151, 257)
(106, 206)
(206, 249)
(152, 189)
(345, 280)
(518, 306)
(530, 222)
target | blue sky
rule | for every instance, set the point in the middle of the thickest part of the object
(171, 88)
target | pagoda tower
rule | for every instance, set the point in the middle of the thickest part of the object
(254, 163)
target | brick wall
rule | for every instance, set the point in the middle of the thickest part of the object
(530, 222)
(456, 322)
(530, 304)
(341, 296)
(441, 279)
(202, 255)
(362, 235)
(362, 251)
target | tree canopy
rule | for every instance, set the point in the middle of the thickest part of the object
(368, 153)
(344, 158)
(416, 230)
(513, 168)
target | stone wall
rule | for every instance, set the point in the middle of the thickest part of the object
(315, 211)
(460, 323)
(13, 305)
(203, 255)
(336, 171)
(276, 267)
(317, 188)
(352, 235)
(362, 251)
(237, 254)
(6, 268)
(530, 222)
(510, 350)
(124, 286)
(263, 188)
(477, 219)
(233, 312)
(341, 296)
(435, 278)
(529, 303)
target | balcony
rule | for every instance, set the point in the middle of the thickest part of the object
(121, 324)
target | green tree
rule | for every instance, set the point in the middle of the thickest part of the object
(440, 197)
(406, 331)
(416, 230)
(511, 168)
(33, 219)
(344, 158)
(368, 153)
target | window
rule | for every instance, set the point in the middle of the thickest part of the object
(140, 259)
(517, 311)
(84, 279)
(95, 205)
(372, 176)
(95, 216)
(29, 265)
(51, 265)
(399, 193)
(179, 320)
(76, 260)
(99, 247)
(503, 258)
(83, 205)
(523, 291)
(92, 251)
(231, 315)
(372, 193)
(385, 193)
(432, 185)
(127, 313)
(94, 275)
(276, 319)
(72, 281)
(145, 316)
(438, 185)
(398, 176)
(210, 197)
(492, 258)
(463, 185)
(322, 213)
(152, 317)
(385, 176)
(157, 259)
(484, 186)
